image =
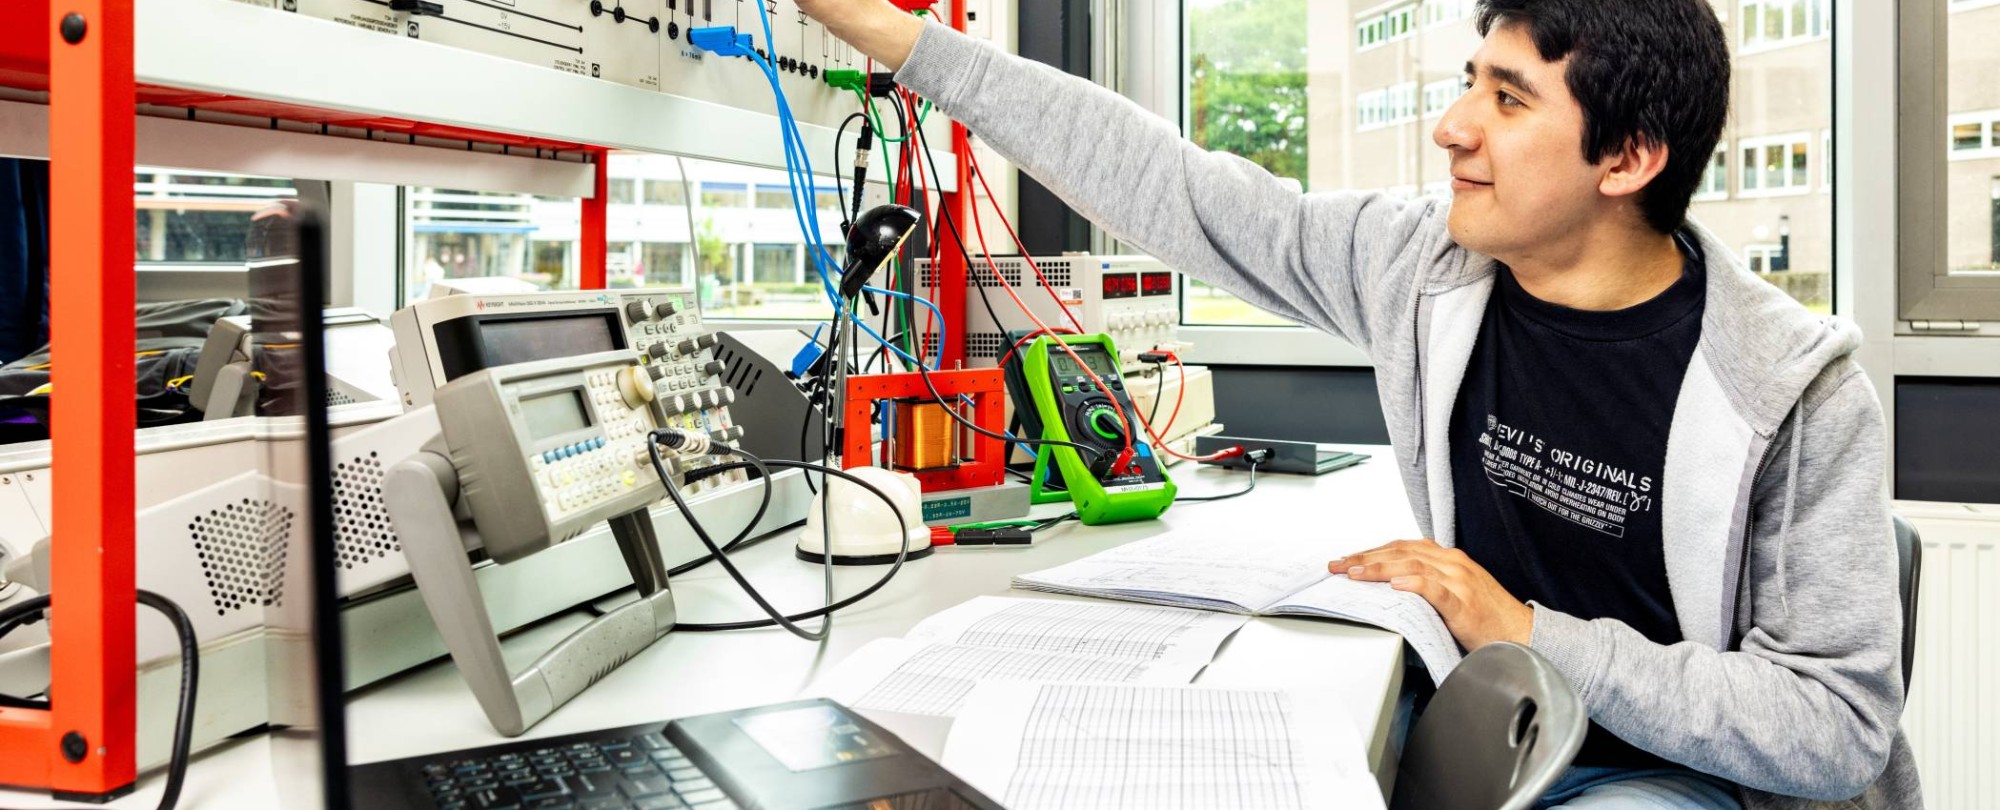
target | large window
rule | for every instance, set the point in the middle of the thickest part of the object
(1968, 277)
(744, 260)
(1360, 118)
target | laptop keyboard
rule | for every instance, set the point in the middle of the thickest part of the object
(639, 773)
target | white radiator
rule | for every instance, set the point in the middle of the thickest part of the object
(1953, 716)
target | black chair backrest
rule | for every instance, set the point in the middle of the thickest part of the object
(1910, 573)
(1497, 735)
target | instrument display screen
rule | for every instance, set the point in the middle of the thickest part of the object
(1121, 285)
(1156, 284)
(1093, 356)
(522, 340)
(554, 414)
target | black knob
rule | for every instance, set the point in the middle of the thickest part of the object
(666, 309)
(636, 310)
(688, 346)
(712, 367)
(657, 351)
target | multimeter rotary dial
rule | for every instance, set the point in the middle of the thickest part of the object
(1099, 420)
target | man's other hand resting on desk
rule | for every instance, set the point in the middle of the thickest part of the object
(1473, 604)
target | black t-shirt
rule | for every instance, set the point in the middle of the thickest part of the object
(1558, 446)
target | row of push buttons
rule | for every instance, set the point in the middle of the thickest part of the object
(573, 450)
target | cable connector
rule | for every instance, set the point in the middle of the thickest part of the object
(722, 40)
(881, 85)
(854, 80)
(1257, 457)
(684, 442)
(1156, 357)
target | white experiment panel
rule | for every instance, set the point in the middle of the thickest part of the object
(643, 44)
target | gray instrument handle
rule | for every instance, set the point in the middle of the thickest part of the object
(419, 491)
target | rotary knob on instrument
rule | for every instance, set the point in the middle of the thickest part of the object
(634, 387)
(638, 309)
(705, 341)
(688, 346)
(658, 351)
(666, 309)
(658, 372)
(712, 367)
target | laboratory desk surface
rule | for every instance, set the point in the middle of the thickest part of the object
(430, 709)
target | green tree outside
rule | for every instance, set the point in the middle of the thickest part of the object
(1247, 70)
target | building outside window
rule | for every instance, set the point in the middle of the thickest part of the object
(1775, 165)
(1715, 181)
(772, 198)
(623, 191)
(1361, 138)
(1766, 24)
(725, 195)
(657, 241)
(666, 192)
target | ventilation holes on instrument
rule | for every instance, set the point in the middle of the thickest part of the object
(338, 397)
(362, 532)
(241, 547)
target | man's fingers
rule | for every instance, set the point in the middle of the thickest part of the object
(1388, 569)
(1395, 548)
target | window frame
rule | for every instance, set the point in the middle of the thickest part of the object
(1928, 290)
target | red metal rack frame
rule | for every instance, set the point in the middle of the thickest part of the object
(81, 53)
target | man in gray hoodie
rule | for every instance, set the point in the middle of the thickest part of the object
(1628, 452)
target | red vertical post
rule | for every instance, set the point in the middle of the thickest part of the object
(91, 109)
(596, 237)
(951, 270)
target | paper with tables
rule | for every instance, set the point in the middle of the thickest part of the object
(1056, 746)
(1250, 576)
(933, 668)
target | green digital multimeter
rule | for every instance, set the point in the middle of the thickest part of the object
(1067, 405)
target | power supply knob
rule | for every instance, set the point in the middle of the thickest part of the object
(637, 309)
(666, 309)
(634, 387)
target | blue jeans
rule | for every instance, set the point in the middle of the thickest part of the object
(1624, 789)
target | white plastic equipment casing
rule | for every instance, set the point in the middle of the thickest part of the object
(863, 526)
(1136, 324)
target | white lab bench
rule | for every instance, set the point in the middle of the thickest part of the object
(429, 709)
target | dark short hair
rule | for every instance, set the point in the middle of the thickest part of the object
(1652, 70)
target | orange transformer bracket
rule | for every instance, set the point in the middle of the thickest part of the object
(82, 747)
(986, 386)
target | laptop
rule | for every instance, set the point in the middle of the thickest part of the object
(1299, 458)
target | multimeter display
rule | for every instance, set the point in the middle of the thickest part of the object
(1097, 360)
(554, 414)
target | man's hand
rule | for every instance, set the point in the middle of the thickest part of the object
(1474, 606)
(882, 31)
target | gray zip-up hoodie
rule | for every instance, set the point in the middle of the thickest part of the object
(1779, 549)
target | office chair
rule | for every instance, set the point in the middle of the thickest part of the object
(1496, 736)
(1910, 572)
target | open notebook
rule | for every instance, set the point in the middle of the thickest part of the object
(1250, 576)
